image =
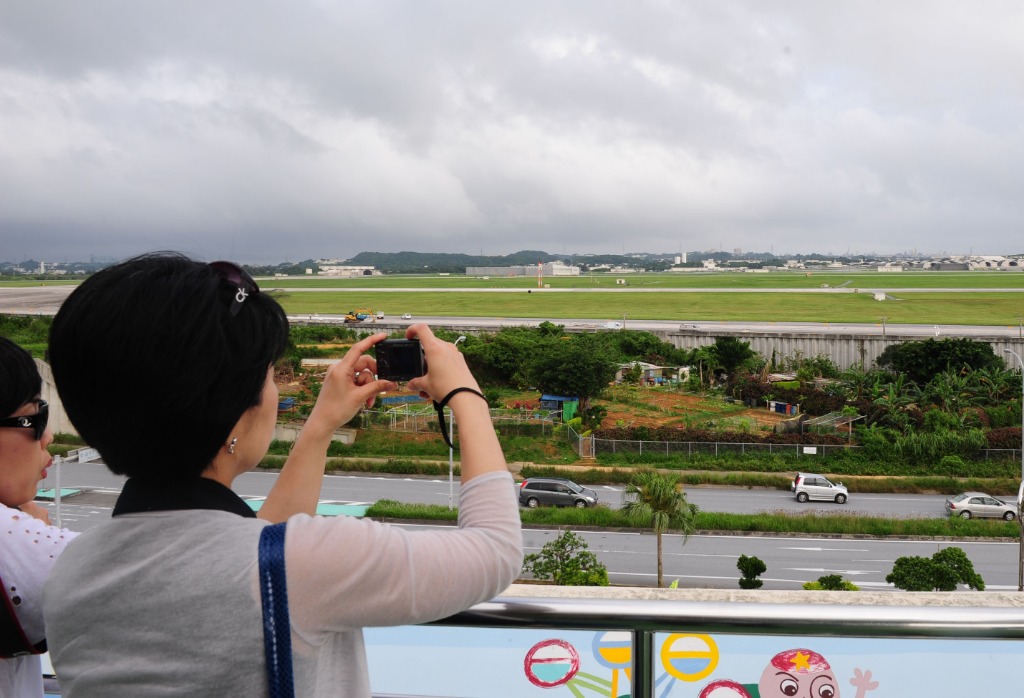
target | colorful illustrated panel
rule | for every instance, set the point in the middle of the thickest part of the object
(469, 662)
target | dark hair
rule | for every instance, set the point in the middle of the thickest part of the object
(19, 377)
(152, 367)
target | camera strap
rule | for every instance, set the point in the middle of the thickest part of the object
(439, 406)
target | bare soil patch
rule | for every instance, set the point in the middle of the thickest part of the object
(676, 406)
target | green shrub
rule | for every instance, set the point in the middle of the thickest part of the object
(566, 561)
(750, 569)
(817, 586)
(953, 465)
(943, 571)
(68, 439)
(831, 582)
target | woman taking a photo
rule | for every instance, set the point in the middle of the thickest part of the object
(28, 544)
(165, 365)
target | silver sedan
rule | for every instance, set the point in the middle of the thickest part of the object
(969, 505)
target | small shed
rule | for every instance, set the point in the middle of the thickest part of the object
(560, 403)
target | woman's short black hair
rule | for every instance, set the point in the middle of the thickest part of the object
(153, 367)
(19, 377)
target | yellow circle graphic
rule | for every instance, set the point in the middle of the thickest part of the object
(689, 657)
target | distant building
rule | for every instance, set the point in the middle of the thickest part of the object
(546, 269)
(347, 270)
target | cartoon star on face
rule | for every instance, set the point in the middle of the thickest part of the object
(798, 673)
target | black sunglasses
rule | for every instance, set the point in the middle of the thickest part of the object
(240, 279)
(36, 422)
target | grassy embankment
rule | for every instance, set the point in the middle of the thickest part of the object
(809, 523)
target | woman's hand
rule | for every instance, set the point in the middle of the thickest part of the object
(446, 366)
(36, 512)
(349, 385)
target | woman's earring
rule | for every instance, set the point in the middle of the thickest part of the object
(231, 446)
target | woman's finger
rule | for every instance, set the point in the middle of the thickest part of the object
(360, 348)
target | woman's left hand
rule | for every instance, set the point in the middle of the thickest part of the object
(349, 385)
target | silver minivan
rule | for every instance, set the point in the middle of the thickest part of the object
(810, 486)
(555, 491)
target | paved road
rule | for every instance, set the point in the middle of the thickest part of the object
(703, 561)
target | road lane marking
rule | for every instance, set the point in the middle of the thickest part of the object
(831, 550)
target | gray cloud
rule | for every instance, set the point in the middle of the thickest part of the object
(273, 130)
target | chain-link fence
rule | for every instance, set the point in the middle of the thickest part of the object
(422, 417)
(715, 448)
(590, 446)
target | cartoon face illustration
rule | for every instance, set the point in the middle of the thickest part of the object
(799, 673)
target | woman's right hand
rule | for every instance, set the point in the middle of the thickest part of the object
(349, 385)
(446, 366)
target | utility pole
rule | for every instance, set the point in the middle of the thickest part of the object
(1020, 491)
(451, 451)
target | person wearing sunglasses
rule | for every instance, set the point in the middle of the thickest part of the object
(165, 365)
(29, 545)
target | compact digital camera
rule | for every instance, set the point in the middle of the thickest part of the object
(400, 359)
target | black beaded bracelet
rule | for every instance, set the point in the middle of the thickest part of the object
(439, 406)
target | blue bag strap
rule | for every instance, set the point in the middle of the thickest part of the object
(277, 637)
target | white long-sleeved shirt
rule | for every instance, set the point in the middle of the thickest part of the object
(28, 550)
(168, 604)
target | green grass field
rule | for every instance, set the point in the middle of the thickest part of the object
(975, 308)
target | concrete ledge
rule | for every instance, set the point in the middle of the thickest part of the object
(954, 599)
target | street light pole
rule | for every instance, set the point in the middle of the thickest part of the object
(451, 451)
(1020, 490)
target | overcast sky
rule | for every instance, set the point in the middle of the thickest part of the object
(268, 131)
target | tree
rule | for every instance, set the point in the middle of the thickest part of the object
(751, 568)
(943, 571)
(633, 374)
(566, 561)
(922, 361)
(504, 357)
(577, 367)
(733, 353)
(657, 501)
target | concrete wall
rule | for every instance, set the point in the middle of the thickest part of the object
(58, 421)
(844, 350)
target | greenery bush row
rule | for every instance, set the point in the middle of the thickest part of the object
(915, 484)
(810, 523)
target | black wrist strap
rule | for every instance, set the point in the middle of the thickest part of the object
(439, 406)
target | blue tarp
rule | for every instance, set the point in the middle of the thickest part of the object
(400, 399)
(554, 402)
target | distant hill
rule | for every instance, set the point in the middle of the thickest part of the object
(445, 262)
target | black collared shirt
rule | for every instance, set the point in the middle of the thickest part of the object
(201, 493)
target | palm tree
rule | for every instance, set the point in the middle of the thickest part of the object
(657, 501)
